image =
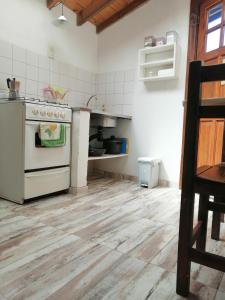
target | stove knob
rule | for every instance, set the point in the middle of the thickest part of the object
(43, 113)
(35, 112)
(49, 114)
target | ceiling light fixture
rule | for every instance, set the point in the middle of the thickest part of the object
(62, 18)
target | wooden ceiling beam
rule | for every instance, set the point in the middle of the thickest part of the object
(91, 10)
(120, 14)
(52, 3)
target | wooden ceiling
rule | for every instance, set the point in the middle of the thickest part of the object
(101, 13)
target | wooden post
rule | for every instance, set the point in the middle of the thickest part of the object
(203, 216)
(80, 144)
(216, 219)
(189, 171)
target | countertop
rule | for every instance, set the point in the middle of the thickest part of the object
(103, 113)
(79, 108)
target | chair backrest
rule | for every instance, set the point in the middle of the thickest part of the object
(196, 109)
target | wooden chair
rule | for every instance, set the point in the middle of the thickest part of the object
(206, 181)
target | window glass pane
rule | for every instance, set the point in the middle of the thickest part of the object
(213, 40)
(215, 16)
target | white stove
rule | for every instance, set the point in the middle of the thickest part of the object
(28, 170)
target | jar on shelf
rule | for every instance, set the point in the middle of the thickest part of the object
(160, 41)
(149, 41)
(171, 37)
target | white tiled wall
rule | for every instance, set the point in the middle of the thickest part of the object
(37, 71)
(115, 90)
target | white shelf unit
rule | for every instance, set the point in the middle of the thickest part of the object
(157, 63)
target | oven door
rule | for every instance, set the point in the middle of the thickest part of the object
(40, 157)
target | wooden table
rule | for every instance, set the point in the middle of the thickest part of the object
(214, 174)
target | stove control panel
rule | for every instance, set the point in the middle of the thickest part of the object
(51, 113)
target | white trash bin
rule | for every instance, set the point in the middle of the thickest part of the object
(148, 171)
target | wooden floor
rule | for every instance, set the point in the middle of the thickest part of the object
(117, 241)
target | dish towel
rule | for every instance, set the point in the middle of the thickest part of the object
(52, 135)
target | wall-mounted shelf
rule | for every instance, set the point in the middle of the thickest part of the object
(161, 62)
(157, 63)
(107, 156)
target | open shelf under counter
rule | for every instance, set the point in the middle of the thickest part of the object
(107, 156)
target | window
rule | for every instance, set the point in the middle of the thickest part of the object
(213, 40)
(215, 29)
(215, 16)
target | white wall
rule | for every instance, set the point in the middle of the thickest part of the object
(27, 30)
(156, 129)
(27, 23)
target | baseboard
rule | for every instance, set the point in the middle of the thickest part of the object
(78, 190)
(117, 176)
(167, 183)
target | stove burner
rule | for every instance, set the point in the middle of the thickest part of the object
(35, 100)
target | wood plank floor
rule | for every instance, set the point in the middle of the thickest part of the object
(116, 241)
